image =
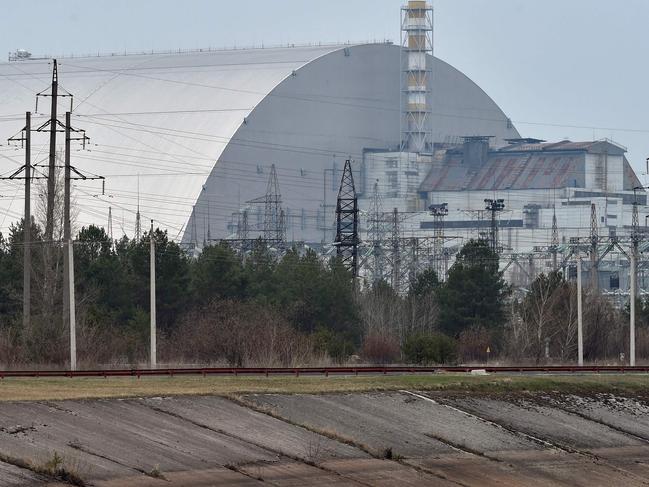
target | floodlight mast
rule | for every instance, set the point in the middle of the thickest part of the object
(439, 211)
(494, 206)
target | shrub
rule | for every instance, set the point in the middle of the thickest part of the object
(423, 348)
(242, 334)
(473, 343)
(380, 348)
(338, 345)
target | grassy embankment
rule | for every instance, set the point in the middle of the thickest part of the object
(86, 388)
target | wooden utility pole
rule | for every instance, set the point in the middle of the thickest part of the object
(153, 352)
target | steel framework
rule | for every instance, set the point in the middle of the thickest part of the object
(347, 240)
(416, 55)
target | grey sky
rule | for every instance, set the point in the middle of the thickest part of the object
(558, 68)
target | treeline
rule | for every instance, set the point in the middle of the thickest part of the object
(221, 308)
(298, 292)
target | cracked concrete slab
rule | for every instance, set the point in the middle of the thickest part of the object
(224, 415)
(118, 438)
(411, 426)
(431, 439)
(12, 476)
(626, 414)
(552, 424)
(604, 454)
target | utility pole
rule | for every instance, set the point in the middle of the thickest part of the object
(138, 223)
(153, 351)
(580, 324)
(209, 223)
(67, 223)
(110, 224)
(633, 291)
(632, 298)
(66, 217)
(25, 140)
(71, 306)
(51, 181)
(27, 225)
(347, 240)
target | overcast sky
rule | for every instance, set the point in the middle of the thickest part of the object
(559, 68)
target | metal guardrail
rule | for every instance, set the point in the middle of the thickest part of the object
(310, 371)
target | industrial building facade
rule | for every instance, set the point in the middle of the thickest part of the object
(196, 140)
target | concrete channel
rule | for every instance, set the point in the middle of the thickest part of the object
(384, 439)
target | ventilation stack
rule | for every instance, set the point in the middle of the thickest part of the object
(416, 65)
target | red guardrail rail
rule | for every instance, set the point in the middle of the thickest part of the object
(326, 371)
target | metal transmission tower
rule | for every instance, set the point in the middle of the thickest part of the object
(636, 238)
(273, 221)
(494, 206)
(242, 226)
(347, 240)
(439, 212)
(594, 241)
(416, 55)
(554, 243)
(375, 234)
(395, 255)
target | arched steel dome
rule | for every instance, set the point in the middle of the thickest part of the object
(201, 129)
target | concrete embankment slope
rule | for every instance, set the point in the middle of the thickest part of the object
(406, 437)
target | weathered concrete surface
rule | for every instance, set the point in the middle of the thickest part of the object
(412, 426)
(104, 439)
(195, 478)
(384, 473)
(429, 438)
(630, 415)
(550, 424)
(221, 414)
(372, 420)
(613, 455)
(484, 442)
(12, 476)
